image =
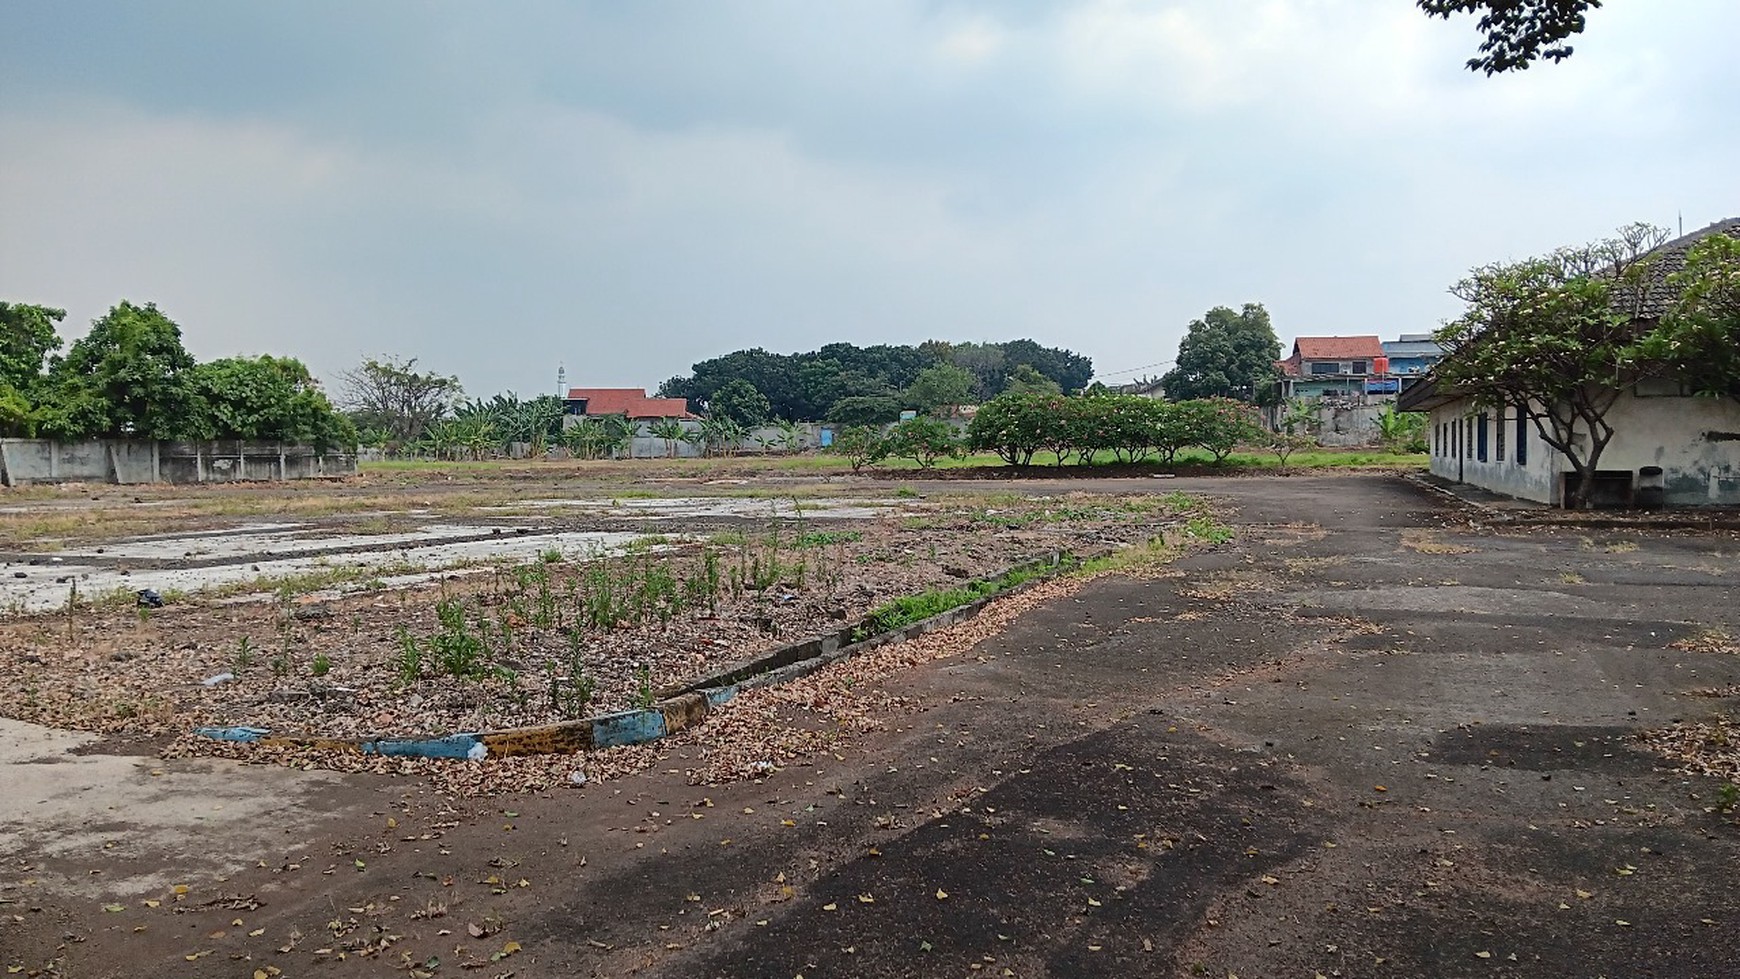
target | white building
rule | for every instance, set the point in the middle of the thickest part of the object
(1694, 441)
(1662, 435)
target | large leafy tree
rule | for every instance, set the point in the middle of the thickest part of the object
(265, 398)
(740, 402)
(1518, 33)
(391, 395)
(1226, 354)
(1557, 337)
(27, 336)
(129, 377)
(940, 386)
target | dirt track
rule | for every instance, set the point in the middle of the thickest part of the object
(1365, 739)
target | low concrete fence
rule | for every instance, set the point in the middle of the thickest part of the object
(27, 461)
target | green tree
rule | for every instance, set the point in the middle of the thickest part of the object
(1556, 336)
(127, 378)
(1026, 379)
(1518, 32)
(392, 394)
(267, 398)
(27, 336)
(940, 386)
(872, 410)
(1698, 340)
(924, 441)
(861, 445)
(739, 401)
(1226, 354)
(1011, 425)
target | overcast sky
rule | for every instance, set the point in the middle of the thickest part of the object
(627, 188)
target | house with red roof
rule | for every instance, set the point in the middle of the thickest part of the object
(631, 403)
(1337, 368)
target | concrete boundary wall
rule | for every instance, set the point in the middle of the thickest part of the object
(28, 461)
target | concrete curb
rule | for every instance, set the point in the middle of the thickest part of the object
(678, 710)
(1681, 519)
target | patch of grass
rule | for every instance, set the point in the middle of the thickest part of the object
(1209, 530)
(1137, 558)
(829, 538)
(907, 609)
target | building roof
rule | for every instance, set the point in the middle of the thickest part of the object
(632, 402)
(1337, 348)
(1413, 348)
(1653, 297)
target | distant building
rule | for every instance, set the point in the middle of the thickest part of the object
(1146, 388)
(1337, 368)
(631, 403)
(1414, 353)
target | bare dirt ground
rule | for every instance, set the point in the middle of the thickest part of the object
(534, 602)
(1368, 737)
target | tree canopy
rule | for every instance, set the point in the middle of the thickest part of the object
(1556, 336)
(390, 395)
(1518, 32)
(1699, 337)
(739, 401)
(27, 336)
(127, 378)
(265, 398)
(131, 377)
(1226, 354)
(862, 380)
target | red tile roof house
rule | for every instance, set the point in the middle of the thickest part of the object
(1335, 367)
(630, 402)
(633, 404)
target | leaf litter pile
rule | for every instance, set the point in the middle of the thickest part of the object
(556, 639)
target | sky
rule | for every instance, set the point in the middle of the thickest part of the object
(626, 188)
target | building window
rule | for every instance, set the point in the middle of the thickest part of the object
(1498, 435)
(1480, 437)
(1468, 437)
(1522, 436)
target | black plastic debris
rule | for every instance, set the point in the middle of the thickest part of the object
(148, 598)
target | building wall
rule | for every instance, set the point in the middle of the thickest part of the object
(1453, 434)
(1695, 441)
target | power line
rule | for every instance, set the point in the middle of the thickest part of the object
(1131, 370)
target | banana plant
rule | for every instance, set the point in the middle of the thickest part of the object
(670, 430)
